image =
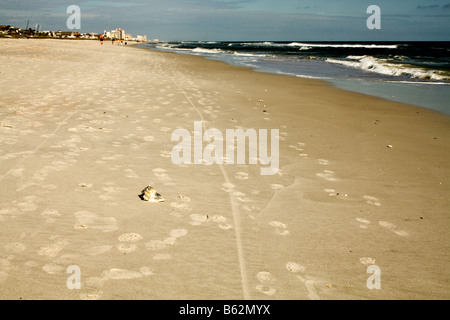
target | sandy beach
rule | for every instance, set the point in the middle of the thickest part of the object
(363, 183)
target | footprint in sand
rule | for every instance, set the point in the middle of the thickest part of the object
(157, 245)
(178, 233)
(132, 135)
(241, 176)
(110, 190)
(130, 237)
(276, 186)
(161, 174)
(112, 158)
(113, 274)
(5, 264)
(280, 228)
(130, 173)
(165, 154)
(127, 242)
(297, 148)
(198, 219)
(15, 247)
(327, 175)
(333, 193)
(84, 185)
(322, 162)
(10, 212)
(16, 172)
(392, 227)
(372, 201)
(364, 223)
(52, 268)
(183, 198)
(54, 248)
(50, 215)
(89, 220)
(266, 280)
(27, 204)
(221, 221)
(307, 280)
(179, 206)
(228, 187)
(241, 197)
(367, 261)
(135, 146)
(121, 274)
(126, 248)
(295, 267)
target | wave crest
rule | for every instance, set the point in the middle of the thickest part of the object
(381, 66)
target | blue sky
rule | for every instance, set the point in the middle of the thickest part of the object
(241, 20)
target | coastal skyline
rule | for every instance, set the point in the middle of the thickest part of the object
(240, 20)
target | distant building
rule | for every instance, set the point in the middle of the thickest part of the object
(64, 34)
(118, 34)
(141, 38)
(8, 31)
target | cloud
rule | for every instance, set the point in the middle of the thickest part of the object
(428, 7)
(434, 6)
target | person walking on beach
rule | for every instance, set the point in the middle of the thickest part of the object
(101, 39)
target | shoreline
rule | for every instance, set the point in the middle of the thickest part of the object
(431, 98)
(84, 128)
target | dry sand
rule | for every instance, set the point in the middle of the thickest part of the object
(84, 128)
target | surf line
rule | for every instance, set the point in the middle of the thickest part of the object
(234, 209)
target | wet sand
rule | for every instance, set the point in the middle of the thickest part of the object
(84, 128)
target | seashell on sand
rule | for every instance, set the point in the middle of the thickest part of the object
(150, 194)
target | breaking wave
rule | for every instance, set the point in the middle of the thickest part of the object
(386, 67)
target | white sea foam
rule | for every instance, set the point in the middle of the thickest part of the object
(312, 77)
(241, 54)
(202, 50)
(325, 45)
(382, 66)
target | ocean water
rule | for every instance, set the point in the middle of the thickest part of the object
(412, 72)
